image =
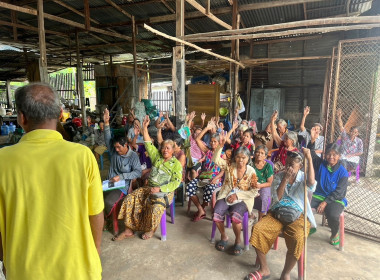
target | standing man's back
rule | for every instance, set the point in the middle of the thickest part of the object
(51, 202)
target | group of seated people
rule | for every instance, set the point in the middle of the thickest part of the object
(245, 179)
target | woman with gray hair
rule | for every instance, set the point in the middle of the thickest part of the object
(237, 194)
(289, 142)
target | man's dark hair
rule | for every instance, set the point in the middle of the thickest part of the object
(101, 121)
(38, 102)
(119, 139)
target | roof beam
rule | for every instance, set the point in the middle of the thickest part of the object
(208, 14)
(31, 28)
(63, 20)
(120, 9)
(173, 12)
(295, 24)
(87, 22)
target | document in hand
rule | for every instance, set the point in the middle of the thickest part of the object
(107, 185)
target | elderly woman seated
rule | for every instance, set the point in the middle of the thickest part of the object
(352, 146)
(287, 143)
(264, 172)
(281, 127)
(210, 177)
(142, 209)
(237, 194)
(285, 215)
(306, 135)
(332, 178)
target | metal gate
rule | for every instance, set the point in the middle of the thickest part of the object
(355, 89)
(163, 99)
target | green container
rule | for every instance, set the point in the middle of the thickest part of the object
(147, 102)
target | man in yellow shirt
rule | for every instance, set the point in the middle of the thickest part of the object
(51, 199)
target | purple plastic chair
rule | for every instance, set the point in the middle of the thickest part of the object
(163, 220)
(228, 224)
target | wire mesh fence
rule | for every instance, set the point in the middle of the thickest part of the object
(355, 90)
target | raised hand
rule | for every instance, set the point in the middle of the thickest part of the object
(289, 173)
(106, 117)
(306, 111)
(192, 115)
(161, 114)
(210, 125)
(306, 153)
(146, 122)
(274, 116)
(136, 129)
(222, 138)
(203, 116)
(162, 124)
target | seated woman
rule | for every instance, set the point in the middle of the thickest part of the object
(211, 172)
(306, 135)
(264, 173)
(289, 142)
(237, 194)
(146, 163)
(332, 178)
(142, 209)
(352, 146)
(285, 215)
(281, 127)
(245, 139)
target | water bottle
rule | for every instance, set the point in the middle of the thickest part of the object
(4, 129)
(12, 128)
(92, 139)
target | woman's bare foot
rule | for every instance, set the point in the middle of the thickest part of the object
(128, 233)
(147, 235)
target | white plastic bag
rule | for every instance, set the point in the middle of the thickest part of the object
(2, 277)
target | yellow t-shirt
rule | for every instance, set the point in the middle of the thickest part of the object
(48, 189)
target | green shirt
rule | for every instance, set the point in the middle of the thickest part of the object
(263, 174)
(164, 174)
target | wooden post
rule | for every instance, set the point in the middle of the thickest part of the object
(249, 83)
(336, 88)
(80, 83)
(14, 20)
(234, 54)
(179, 58)
(322, 116)
(9, 101)
(87, 19)
(135, 85)
(42, 44)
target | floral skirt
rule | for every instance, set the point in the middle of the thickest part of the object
(142, 212)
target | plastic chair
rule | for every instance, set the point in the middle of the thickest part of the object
(341, 229)
(101, 159)
(163, 220)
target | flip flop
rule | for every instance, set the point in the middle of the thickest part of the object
(198, 218)
(221, 245)
(238, 250)
(312, 230)
(335, 241)
(256, 275)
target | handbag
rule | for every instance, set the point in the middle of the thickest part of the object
(286, 215)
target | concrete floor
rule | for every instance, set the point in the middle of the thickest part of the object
(188, 254)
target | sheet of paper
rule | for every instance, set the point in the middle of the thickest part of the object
(107, 185)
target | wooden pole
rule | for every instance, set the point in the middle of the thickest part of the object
(8, 90)
(87, 22)
(42, 44)
(179, 58)
(14, 20)
(135, 86)
(297, 32)
(322, 116)
(288, 25)
(80, 84)
(147, 27)
(336, 88)
(249, 83)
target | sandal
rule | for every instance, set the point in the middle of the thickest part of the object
(221, 245)
(256, 275)
(335, 240)
(312, 230)
(147, 235)
(238, 250)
